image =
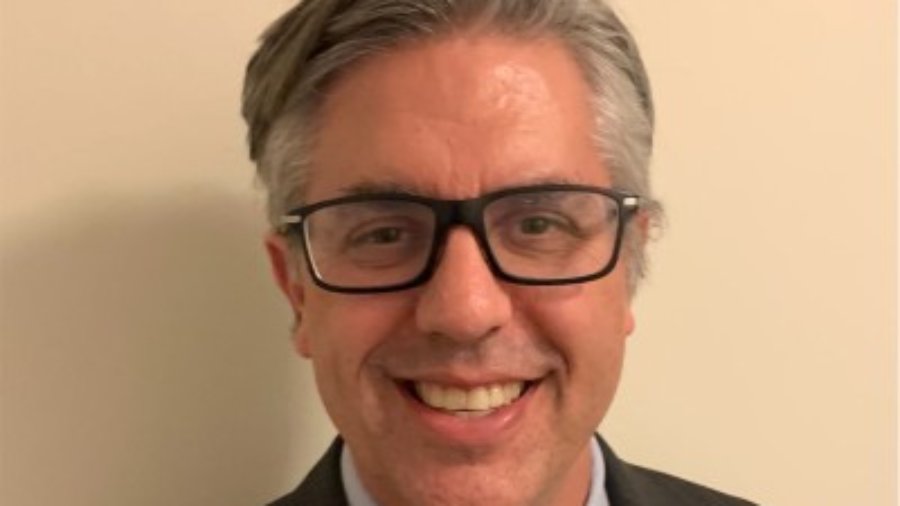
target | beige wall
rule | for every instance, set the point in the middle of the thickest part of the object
(144, 354)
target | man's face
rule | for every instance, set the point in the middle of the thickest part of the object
(455, 118)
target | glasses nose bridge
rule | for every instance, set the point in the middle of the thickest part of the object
(461, 213)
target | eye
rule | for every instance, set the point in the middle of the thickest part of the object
(545, 224)
(379, 236)
(535, 225)
(385, 235)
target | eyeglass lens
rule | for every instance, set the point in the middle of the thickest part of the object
(545, 235)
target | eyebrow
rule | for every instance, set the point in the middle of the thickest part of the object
(373, 187)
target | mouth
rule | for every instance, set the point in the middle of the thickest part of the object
(473, 402)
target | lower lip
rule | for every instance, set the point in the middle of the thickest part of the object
(473, 430)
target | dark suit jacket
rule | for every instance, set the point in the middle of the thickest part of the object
(626, 485)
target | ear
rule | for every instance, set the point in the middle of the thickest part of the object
(628, 323)
(285, 270)
(641, 225)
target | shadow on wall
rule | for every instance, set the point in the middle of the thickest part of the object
(146, 357)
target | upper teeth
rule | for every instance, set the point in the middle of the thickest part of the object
(481, 398)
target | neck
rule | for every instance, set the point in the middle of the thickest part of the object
(575, 484)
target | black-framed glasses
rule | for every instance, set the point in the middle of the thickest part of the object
(536, 235)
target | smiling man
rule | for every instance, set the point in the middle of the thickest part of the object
(459, 196)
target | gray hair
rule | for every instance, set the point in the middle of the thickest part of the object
(303, 52)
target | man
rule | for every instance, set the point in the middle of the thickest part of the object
(459, 196)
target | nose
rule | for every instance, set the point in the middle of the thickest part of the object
(462, 301)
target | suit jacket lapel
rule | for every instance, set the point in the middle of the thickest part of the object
(620, 487)
(322, 486)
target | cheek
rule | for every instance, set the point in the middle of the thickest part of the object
(590, 316)
(347, 328)
(587, 325)
(589, 329)
(342, 332)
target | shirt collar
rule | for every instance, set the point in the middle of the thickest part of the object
(358, 496)
(356, 493)
(597, 496)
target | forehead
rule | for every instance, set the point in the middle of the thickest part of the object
(457, 116)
